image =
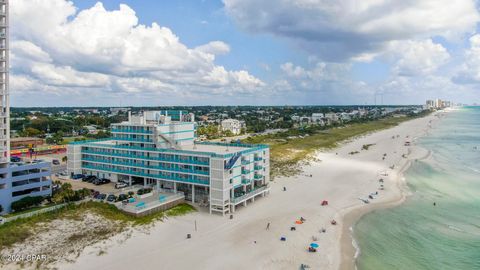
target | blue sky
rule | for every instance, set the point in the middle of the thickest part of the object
(243, 52)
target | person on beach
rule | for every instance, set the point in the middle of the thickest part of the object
(284, 189)
(268, 226)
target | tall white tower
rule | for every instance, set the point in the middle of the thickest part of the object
(4, 93)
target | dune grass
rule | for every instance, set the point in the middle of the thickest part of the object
(286, 153)
(20, 229)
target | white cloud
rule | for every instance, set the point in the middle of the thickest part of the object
(417, 58)
(56, 46)
(469, 72)
(344, 29)
(215, 48)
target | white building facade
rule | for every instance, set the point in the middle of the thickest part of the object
(233, 125)
(158, 149)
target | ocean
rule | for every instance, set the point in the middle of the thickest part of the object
(418, 235)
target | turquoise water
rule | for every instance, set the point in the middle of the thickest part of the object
(418, 235)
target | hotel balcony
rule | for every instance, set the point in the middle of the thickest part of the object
(246, 162)
(258, 158)
(136, 131)
(258, 167)
(142, 165)
(258, 177)
(140, 156)
(193, 180)
(245, 171)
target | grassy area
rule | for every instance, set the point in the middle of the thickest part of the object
(28, 210)
(286, 154)
(20, 229)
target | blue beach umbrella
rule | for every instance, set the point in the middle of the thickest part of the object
(314, 245)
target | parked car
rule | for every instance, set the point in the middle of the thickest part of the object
(122, 197)
(78, 176)
(63, 173)
(55, 162)
(144, 191)
(89, 178)
(101, 196)
(105, 180)
(15, 159)
(111, 198)
(121, 185)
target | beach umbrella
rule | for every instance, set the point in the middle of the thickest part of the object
(314, 245)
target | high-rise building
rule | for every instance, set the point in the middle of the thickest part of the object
(18, 179)
(5, 99)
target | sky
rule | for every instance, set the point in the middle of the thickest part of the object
(243, 52)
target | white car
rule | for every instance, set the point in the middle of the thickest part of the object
(121, 185)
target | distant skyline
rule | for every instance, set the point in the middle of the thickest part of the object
(243, 52)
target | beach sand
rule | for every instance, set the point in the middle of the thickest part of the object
(244, 242)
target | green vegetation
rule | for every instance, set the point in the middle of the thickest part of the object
(66, 194)
(20, 229)
(289, 148)
(26, 202)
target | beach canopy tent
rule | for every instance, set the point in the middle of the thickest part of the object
(314, 245)
(298, 222)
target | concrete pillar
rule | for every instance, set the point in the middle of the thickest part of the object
(193, 193)
(175, 187)
(144, 182)
(158, 184)
(130, 180)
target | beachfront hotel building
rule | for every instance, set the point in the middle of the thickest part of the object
(158, 149)
(17, 180)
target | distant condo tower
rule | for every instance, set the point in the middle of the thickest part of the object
(158, 149)
(17, 179)
(4, 65)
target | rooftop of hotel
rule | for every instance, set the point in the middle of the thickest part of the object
(206, 148)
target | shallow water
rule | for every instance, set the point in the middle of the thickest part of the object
(418, 235)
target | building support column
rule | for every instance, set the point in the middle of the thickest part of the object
(129, 180)
(144, 182)
(158, 184)
(175, 187)
(193, 193)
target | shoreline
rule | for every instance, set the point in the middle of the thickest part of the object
(349, 248)
(339, 176)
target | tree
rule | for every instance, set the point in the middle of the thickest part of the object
(26, 202)
(32, 132)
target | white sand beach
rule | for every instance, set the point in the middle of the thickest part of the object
(244, 242)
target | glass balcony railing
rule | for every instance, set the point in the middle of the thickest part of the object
(246, 181)
(142, 165)
(245, 171)
(129, 130)
(132, 139)
(246, 162)
(257, 167)
(257, 158)
(192, 180)
(258, 177)
(139, 156)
